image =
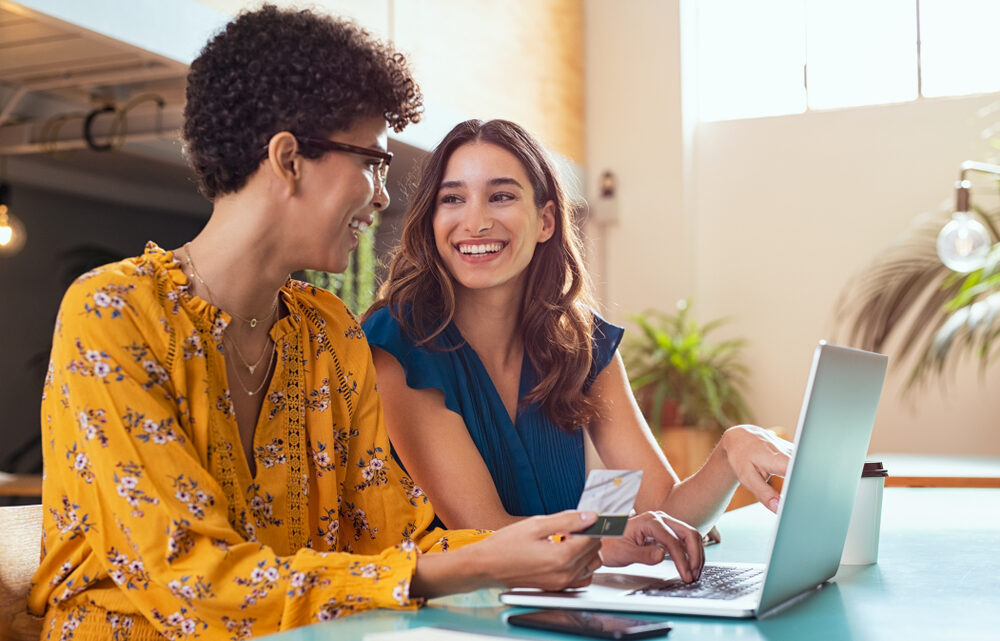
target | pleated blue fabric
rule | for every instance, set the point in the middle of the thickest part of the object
(537, 468)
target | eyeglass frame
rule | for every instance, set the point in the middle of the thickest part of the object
(385, 157)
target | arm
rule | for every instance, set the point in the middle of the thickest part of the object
(434, 444)
(129, 498)
(539, 562)
(745, 454)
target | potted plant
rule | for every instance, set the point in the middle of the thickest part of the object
(937, 315)
(689, 389)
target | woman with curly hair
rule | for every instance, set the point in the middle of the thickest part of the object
(492, 363)
(216, 461)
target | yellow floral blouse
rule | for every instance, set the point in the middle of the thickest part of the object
(153, 522)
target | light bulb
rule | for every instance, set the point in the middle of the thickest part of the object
(12, 233)
(963, 243)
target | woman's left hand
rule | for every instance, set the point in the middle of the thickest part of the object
(649, 537)
(755, 455)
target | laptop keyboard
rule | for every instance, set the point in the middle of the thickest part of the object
(716, 582)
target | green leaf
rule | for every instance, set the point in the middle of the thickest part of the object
(669, 360)
(907, 298)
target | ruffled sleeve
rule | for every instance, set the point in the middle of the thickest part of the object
(425, 368)
(607, 337)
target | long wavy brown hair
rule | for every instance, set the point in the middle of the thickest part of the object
(556, 317)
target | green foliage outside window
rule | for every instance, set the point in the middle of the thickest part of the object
(356, 286)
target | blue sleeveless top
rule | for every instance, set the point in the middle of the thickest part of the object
(537, 468)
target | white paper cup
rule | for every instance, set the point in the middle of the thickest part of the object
(861, 546)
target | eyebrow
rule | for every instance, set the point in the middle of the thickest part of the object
(375, 146)
(493, 182)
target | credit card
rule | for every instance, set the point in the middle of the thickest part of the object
(610, 493)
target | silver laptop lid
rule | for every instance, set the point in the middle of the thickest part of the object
(817, 497)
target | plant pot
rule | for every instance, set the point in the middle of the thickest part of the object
(687, 449)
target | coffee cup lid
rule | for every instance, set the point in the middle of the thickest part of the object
(873, 468)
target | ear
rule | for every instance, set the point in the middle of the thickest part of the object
(548, 215)
(283, 160)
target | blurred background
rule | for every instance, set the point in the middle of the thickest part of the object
(754, 158)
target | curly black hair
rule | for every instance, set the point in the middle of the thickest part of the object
(273, 70)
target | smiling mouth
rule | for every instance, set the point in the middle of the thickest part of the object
(480, 249)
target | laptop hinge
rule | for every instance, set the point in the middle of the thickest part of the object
(784, 605)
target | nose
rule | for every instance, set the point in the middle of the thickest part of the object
(380, 199)
(478, 220)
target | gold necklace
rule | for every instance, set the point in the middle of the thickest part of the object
(267, 375)
(252, 322)
(243, 359)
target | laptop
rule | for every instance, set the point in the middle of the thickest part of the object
(817, 497)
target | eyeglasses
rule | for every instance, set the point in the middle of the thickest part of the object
(381, 170)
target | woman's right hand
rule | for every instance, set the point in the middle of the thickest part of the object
(649, 537)
(541, 552)
(755, 455)
(538, 552)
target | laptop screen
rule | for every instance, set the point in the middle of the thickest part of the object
(832, 437)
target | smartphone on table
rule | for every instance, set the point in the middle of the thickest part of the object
(592, 624)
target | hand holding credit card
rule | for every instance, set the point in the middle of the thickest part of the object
(610, 493)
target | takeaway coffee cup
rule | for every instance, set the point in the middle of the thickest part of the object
(861, 546)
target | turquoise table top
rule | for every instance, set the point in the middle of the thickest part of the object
(938, 577)
(934, 465)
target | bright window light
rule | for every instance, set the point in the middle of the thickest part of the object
(778, 57)
(861, 52)
(958, 46)
(750, 58)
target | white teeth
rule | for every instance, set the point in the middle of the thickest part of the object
(489, 248)
(360, 225)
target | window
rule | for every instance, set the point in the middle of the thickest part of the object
(746, 71)
(776, 57)
(958, 46)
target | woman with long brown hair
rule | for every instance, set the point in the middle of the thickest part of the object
(492, 362)
(216, 463)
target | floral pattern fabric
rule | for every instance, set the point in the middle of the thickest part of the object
(153, 522)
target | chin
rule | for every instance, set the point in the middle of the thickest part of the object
(337, 261)
(329, 266)
(476, 284)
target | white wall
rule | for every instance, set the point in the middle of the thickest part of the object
(634, 128)
(790, 208)
(782, 212)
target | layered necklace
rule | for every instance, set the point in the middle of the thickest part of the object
(252, 324)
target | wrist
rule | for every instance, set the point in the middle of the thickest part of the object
(724, 440)
(476, 567)
(452, 572)
(735, 440)
(728, 451)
